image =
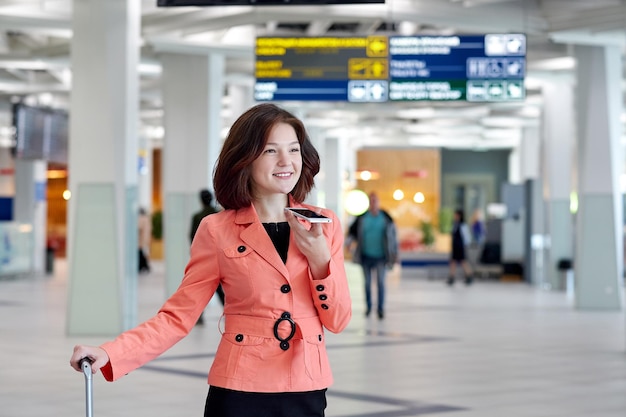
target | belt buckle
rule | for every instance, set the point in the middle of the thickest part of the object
(284, 342)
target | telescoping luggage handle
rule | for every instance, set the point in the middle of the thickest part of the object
(85, 364)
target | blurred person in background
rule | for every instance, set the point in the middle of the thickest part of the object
(144, 225)
(206, 199)
(478, 227)
(374, 237)
(461, 238)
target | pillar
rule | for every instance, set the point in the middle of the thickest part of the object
(145, 172)
(193, 88)
(102, 219)
(530, 153)
(559, 143)
(241, 98)
(598, 266)
(334, 160)
(30, 205)
(317, 196)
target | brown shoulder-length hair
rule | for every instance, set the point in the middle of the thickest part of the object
(232, 178)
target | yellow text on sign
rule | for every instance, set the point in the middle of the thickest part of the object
(377, 46)
(368, 68)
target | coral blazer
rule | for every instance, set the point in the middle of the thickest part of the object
(274, 313)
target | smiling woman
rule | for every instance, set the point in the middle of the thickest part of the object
(272, 308)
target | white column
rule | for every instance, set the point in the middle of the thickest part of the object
(241, 98)
(334, 161)
(559, 143)
(515, 162)
(145, 173)
(530, 153)
(318, 193)
(102, 223)
(217, 67)
(193, 88)
(598, 264)
(349, 164)
(30, 205)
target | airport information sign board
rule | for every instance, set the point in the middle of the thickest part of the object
(398, 68)
(474, 68)
(321, 68)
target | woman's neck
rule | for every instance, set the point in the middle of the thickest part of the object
(271, 210)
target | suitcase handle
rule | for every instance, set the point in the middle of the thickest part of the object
(85, 364)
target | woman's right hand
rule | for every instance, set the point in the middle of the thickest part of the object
(98, 357)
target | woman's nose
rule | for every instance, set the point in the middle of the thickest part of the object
(283, 158)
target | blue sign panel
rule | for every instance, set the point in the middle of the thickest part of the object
(473, 68)
(309, 90)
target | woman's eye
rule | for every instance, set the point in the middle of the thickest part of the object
(270, 150)
(295, 150)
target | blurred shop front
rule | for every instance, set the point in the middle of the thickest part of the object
(421, 188)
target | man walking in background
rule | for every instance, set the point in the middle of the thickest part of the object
(206, 198)
(144, 225)
(376, 249)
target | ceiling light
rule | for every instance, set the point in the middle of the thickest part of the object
(56, 174)
(501, 121)
(398, 195)
(324, 122)
(420, 128)
(533, 83)
(33, 65)
(419, 113)
(470, 112)
(407, 28)
(502, 134)
(151, 113)
(554, 64)
(356, 202)
(367, 175)
(149, 68)
(450, 121)
(419, 197)
(529, 111)
(434, 129)
(45, 99)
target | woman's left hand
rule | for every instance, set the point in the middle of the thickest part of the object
(312, 244)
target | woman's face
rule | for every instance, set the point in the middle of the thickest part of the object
(278, 168)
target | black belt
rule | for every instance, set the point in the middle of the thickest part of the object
(284, 342)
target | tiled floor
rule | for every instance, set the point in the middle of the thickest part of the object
(489, 350)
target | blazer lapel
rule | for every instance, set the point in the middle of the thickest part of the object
(255, 236)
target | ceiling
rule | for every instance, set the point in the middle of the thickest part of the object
(35, 63)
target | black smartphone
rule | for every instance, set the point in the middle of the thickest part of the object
(309, 215)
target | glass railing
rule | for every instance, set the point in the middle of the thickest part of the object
(16, 248)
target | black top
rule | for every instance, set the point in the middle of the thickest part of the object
(279, 233)
(458, 245)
